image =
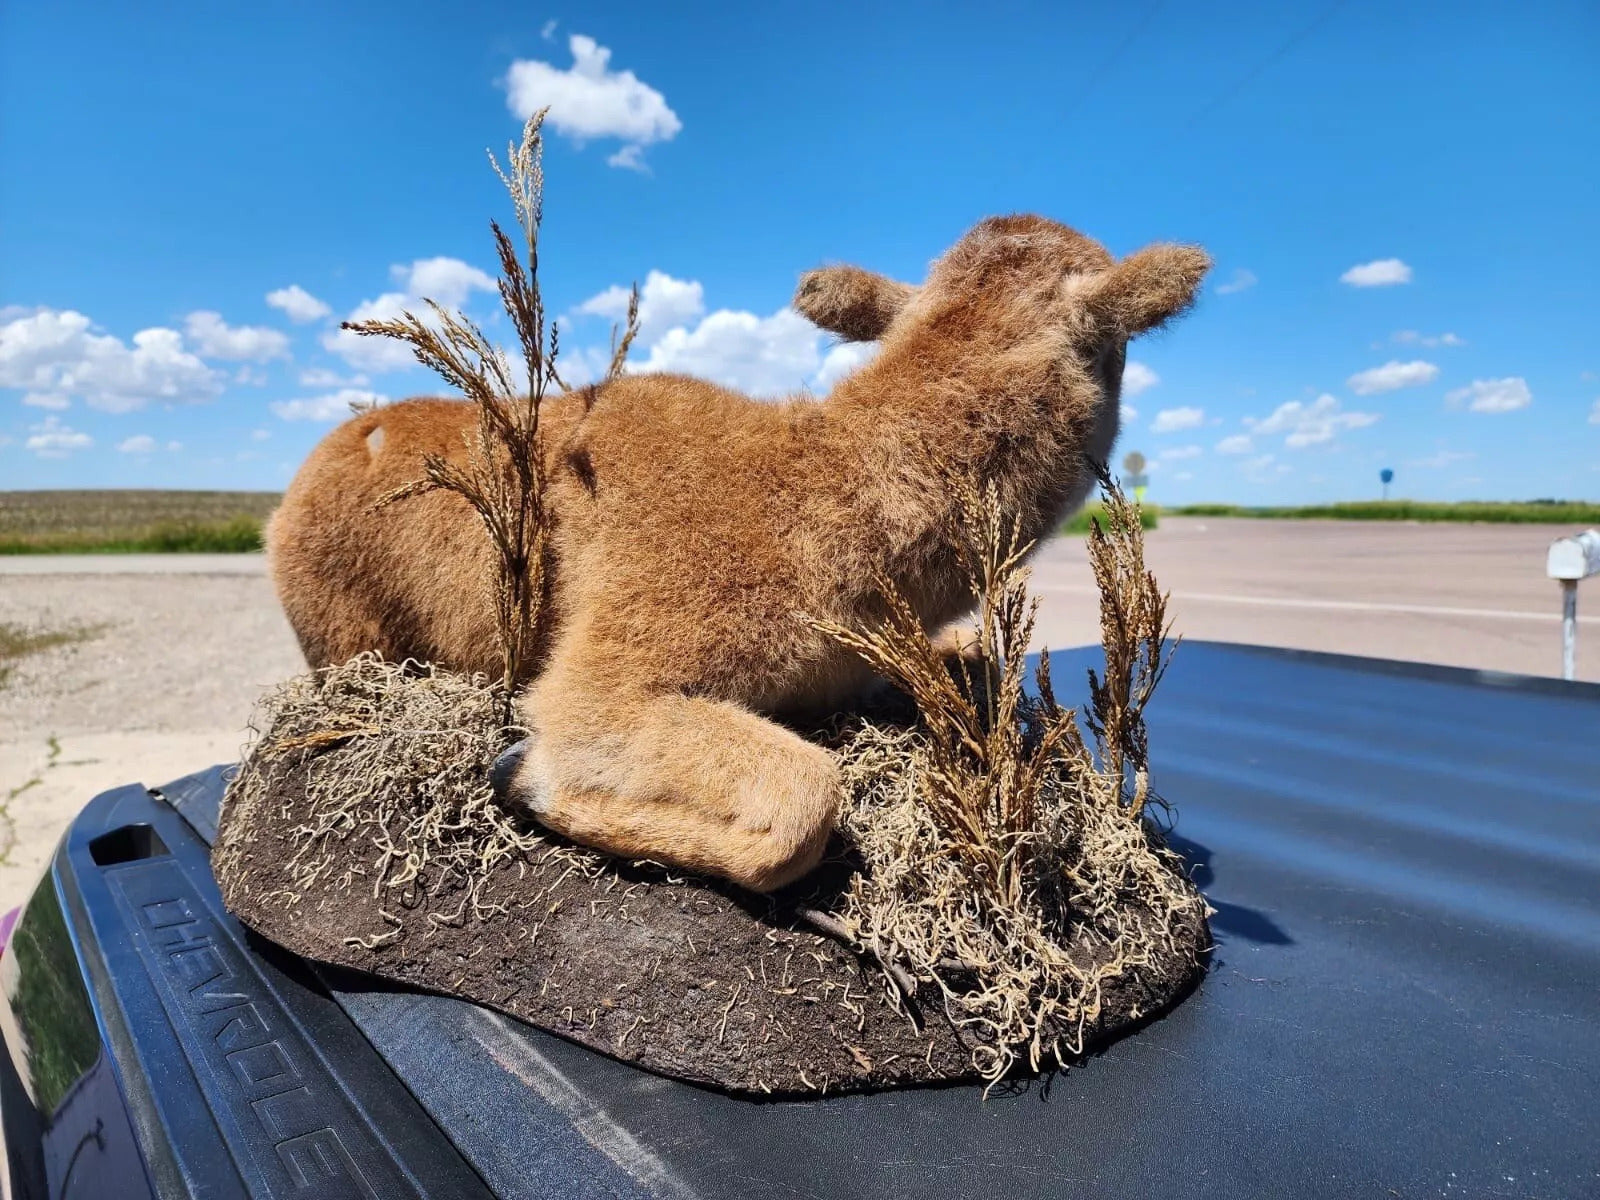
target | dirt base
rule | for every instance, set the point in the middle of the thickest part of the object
(679, 976)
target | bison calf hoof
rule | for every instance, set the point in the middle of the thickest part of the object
(512, 786)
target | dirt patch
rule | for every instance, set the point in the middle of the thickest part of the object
(423, 881)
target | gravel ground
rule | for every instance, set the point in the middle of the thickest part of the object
(183, 645)
(170, 654)
(162, 685)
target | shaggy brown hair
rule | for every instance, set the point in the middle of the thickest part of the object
(695, 530)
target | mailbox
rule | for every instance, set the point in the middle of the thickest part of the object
(1571, 559)
(1575, 557)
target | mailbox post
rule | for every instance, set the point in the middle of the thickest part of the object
(1572, 559)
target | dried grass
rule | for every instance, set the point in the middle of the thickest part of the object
(392, 765)
(1008, 857)
(502, 474)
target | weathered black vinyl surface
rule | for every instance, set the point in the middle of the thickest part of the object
(1404, 1000)
(223, 1068)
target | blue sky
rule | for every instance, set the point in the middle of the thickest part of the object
(1401, 200)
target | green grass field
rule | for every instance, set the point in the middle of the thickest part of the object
(146, 522)
(1149, 517)
(132, 521)
(1532, 512)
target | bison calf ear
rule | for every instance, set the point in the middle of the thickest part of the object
(855, 304)
(1150, 287)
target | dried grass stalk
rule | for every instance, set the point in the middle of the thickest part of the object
(1134, 633)
(1008, 860)
(502, 475)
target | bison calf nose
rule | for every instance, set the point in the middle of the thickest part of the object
(505, 770)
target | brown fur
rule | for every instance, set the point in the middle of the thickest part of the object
(855, 304)
(694, 524)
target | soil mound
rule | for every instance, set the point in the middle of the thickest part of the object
(362, 831)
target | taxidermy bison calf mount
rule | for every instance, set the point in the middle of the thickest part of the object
(694, 525)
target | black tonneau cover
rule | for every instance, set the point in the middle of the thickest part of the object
(1404, 999)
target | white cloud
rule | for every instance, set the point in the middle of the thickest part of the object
(1128, 412)
(449, 281)
(629, 158)
(52, 400)
(1180, 452)
(1381, 272)
(56, 354)
(1170, 420)
(1442, 458)
(1492, 395)
(321, 377)
(1594, 413)
(767, 356)
(1238, 282)
(52, 439)
(840, 360)
(298, 304)
(260, 435)
(215, 338)
(143, 443)
(1136, 378)
(335, 406)
(548, 30)
(375, 353)
(589, 100)
(1263, 467)
(1410, 337)
(1310, 424)
(1239, 443)
(1390, 376)
(664, 303)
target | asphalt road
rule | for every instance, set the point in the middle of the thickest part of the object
(180, 647)
(1460, 595)
(133, 564)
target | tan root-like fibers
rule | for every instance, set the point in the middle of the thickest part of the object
(391, 770)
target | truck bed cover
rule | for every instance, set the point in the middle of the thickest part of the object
(1404, 998)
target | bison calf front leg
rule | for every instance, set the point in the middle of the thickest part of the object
(680, 780)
